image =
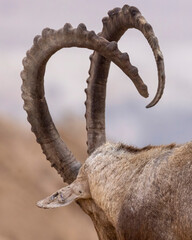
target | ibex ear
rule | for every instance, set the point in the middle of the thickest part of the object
(61, 198)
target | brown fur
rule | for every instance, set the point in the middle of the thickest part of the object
(133, 149)
(146, 195)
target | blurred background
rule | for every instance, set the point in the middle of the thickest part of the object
(25, 175)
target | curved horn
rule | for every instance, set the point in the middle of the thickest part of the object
(33, 88)
(114, 27)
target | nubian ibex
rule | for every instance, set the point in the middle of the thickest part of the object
(129, 193)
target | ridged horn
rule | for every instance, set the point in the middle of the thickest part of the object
(33, 88)
(114, 26)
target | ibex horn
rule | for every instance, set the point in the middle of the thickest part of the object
(33, 88)
(114, 27)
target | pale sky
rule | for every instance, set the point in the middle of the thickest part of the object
(67, 70)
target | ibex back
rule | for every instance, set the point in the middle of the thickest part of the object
(129, 193)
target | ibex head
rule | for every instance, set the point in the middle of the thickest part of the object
(89, 183)
(78, 189)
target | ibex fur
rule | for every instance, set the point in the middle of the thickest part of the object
(129, 193)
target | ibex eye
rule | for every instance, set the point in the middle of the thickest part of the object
(80, 191)
(54, 196)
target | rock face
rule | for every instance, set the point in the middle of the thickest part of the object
(26, 177)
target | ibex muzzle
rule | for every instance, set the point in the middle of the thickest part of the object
(129, 193)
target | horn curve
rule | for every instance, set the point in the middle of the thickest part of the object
(33, 88)
(114, 26)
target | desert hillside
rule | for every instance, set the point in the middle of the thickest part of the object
(26, 177)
